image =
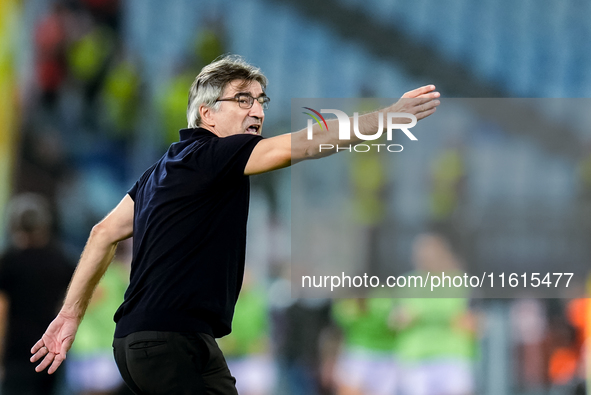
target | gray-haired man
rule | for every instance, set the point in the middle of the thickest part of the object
(187, 214)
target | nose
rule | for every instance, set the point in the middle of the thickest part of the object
(257, 110)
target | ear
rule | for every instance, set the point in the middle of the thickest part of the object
(206, 114)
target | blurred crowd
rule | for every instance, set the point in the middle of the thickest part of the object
(85, 108)
(407, 346)
(282, 345)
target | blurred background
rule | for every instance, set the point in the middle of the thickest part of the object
(92, 92)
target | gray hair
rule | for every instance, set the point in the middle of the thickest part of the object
(209, 85)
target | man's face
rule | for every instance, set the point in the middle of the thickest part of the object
(232, 119)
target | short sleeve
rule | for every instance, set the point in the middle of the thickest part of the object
(133, 191)
(227, 157)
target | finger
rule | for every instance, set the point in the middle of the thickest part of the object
(66, 344)
(425, 114)
(56, 363)
(429, 105)
(43, 351)
(416, 104)
(430, 95)
(37, 346)
(422, 99)
(419, 91)
(48, 360)
(422, 106)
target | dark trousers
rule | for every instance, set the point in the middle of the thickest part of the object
(154, 363)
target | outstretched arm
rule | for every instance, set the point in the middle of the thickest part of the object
(95, 259)
(287, 149)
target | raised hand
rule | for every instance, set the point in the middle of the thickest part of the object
(55, 343)
(420, 102)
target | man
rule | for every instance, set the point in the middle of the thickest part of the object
(34, 275)
(188, 215)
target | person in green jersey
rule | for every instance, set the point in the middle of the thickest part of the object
(366, 365)
(435, 343)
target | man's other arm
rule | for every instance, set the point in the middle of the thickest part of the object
(96, 257)
(287, 149)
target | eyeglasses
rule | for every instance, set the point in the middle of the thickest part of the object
(246, 101)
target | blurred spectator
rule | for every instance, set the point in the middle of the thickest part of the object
(88, 59)
(584, 193)
(34, 274)
(448, 174)
(247, 348)
(577, 311)
(366, 365)
(50, 54)
(91, 368)
(584, 178)
(369, 185)
(529, 320)
(566, 367)
(299, 333)
(174, 97)
(209, 44)
(105, 11)
(42, 163)
(435, 345)
(120, 99)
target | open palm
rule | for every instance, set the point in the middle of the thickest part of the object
(55, 343)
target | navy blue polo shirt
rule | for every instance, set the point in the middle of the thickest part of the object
(189, 237)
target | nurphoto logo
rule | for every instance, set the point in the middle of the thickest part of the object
(345, 129)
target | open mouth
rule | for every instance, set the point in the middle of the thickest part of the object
(253, 129)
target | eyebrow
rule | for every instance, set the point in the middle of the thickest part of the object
(248, 93)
